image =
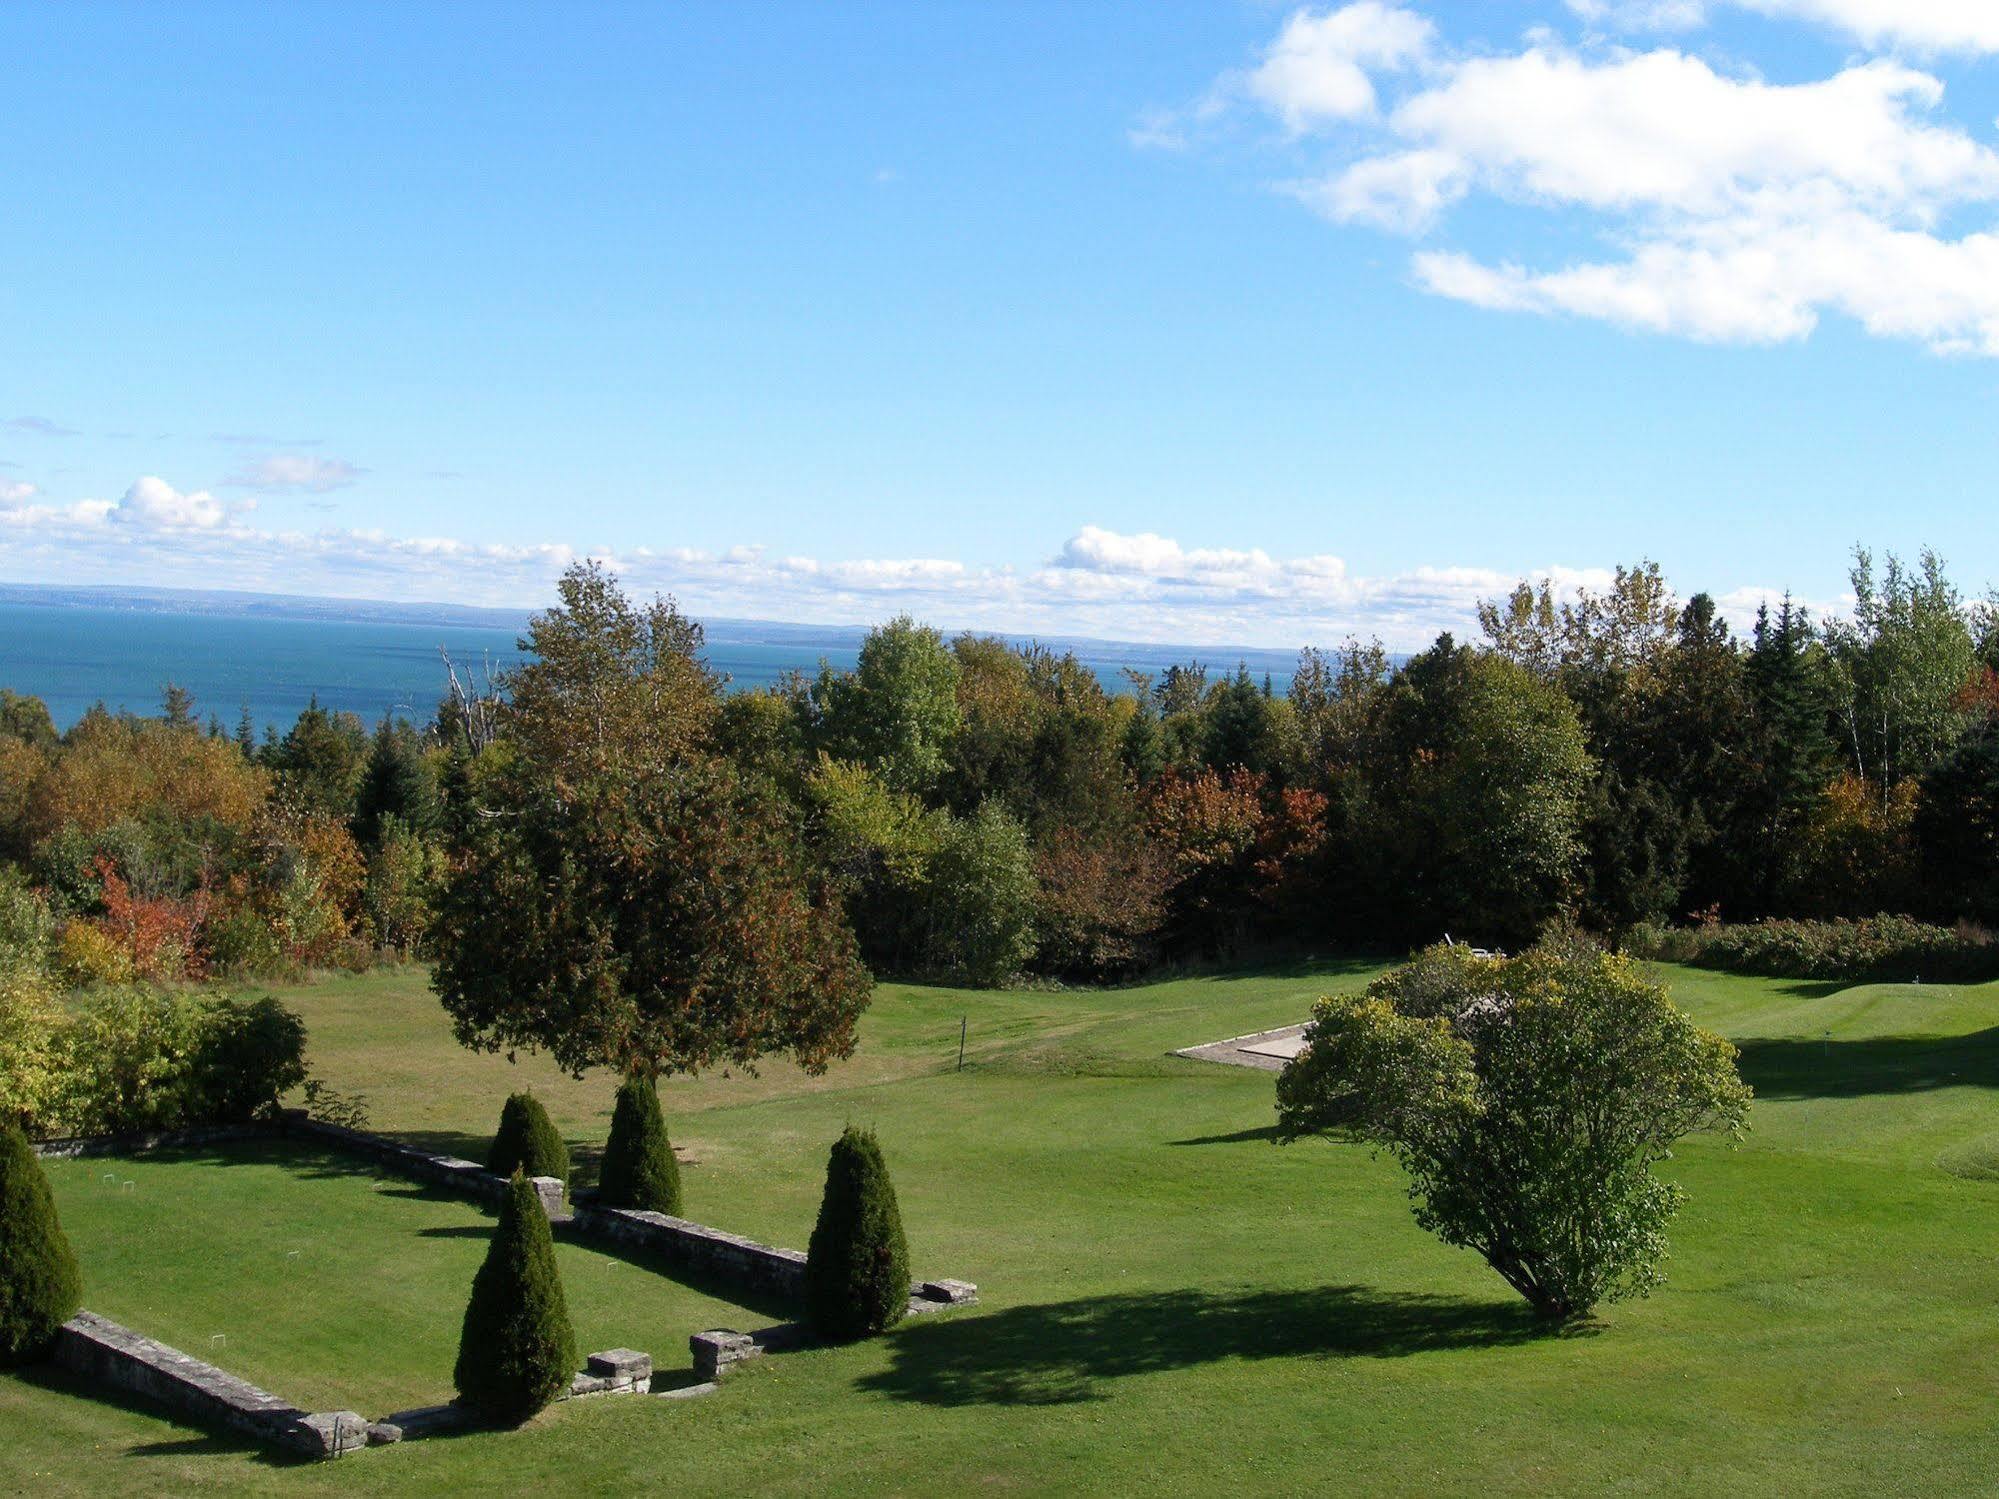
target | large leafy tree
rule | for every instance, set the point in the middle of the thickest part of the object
(1474, 817)
(1901, 663)
(621, 894)
(1528, 1099)
(895, 710)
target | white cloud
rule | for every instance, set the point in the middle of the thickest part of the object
(1733, 209)
(1925, 26)
(1317, 69)
(1100, 582)
(152, 504)
(294, 471)
(14, 493)
(1642, 15)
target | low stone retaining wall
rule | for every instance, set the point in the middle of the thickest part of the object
(100, 1349)
(727, 1256)
(720, 1349)
(468, 1178)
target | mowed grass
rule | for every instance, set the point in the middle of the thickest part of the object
(1171, 1301)
(336, 1288)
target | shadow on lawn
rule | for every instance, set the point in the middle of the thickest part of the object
(1266, 1132)
(1062, 1352)
(194, 1442)
(1793, 1067)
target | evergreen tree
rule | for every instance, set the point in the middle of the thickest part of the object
(857, 1264)
(528, 1141)
(1957, 828)
(39, 1285)
(1793, 754)
(320, 760)
(177, 706)
(517, 1351)
(397, 782)
(639, 1167)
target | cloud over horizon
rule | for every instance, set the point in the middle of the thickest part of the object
(1115, 585)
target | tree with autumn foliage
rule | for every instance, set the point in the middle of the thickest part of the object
(620, 893)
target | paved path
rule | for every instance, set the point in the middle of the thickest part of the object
(1268, 1050)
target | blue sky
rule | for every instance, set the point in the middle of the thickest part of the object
(1220, 321)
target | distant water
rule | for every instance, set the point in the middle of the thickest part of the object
(73, 656)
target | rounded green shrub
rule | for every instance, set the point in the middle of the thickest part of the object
(639, 1169)
(39, 1285)
(857, 1265)
(517, 1351)
(528, 1141)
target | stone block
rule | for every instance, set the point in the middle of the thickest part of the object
(719, 1349)
(549, 1190)
(332, 1433)
(950, 1292)
(620, 1365)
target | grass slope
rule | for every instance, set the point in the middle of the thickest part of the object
(1171, 1301)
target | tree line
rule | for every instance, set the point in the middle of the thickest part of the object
(977, 811)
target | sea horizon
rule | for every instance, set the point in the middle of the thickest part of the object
(271, 655)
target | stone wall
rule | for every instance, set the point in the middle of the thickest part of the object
(101, 1350)
(468, 1178)
(727, 1256)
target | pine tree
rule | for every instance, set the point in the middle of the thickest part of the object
(39, 1285)
(517, 1351)
(528, 1141)
(398, 782)
(857, 1265)
(639, 1167)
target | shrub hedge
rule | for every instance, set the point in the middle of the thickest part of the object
(1879, 949)
(528, 1141)
(517, 1350)
(39, 1285)
(136, 1059)
(857, 1264)
(639, 1169)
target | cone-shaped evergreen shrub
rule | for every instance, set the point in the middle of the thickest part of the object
(639, 1168)
(857, 1265)
(518, 1351)
(528, 1141)
(39, 1285)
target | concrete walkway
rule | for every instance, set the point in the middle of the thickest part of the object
(1267, 1050)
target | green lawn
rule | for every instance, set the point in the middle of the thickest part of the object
(1171, 1302)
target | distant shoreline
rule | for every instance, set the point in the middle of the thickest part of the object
(720, 629)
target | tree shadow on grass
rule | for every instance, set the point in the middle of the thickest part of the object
(1794, 1067)
(1062, 1353)
(196, 1442)
(1239, 1137)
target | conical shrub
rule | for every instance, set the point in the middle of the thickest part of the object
(517, 1351)
(639, 1169)
(857, 1265)
(39, 1285)
(528, 1141)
